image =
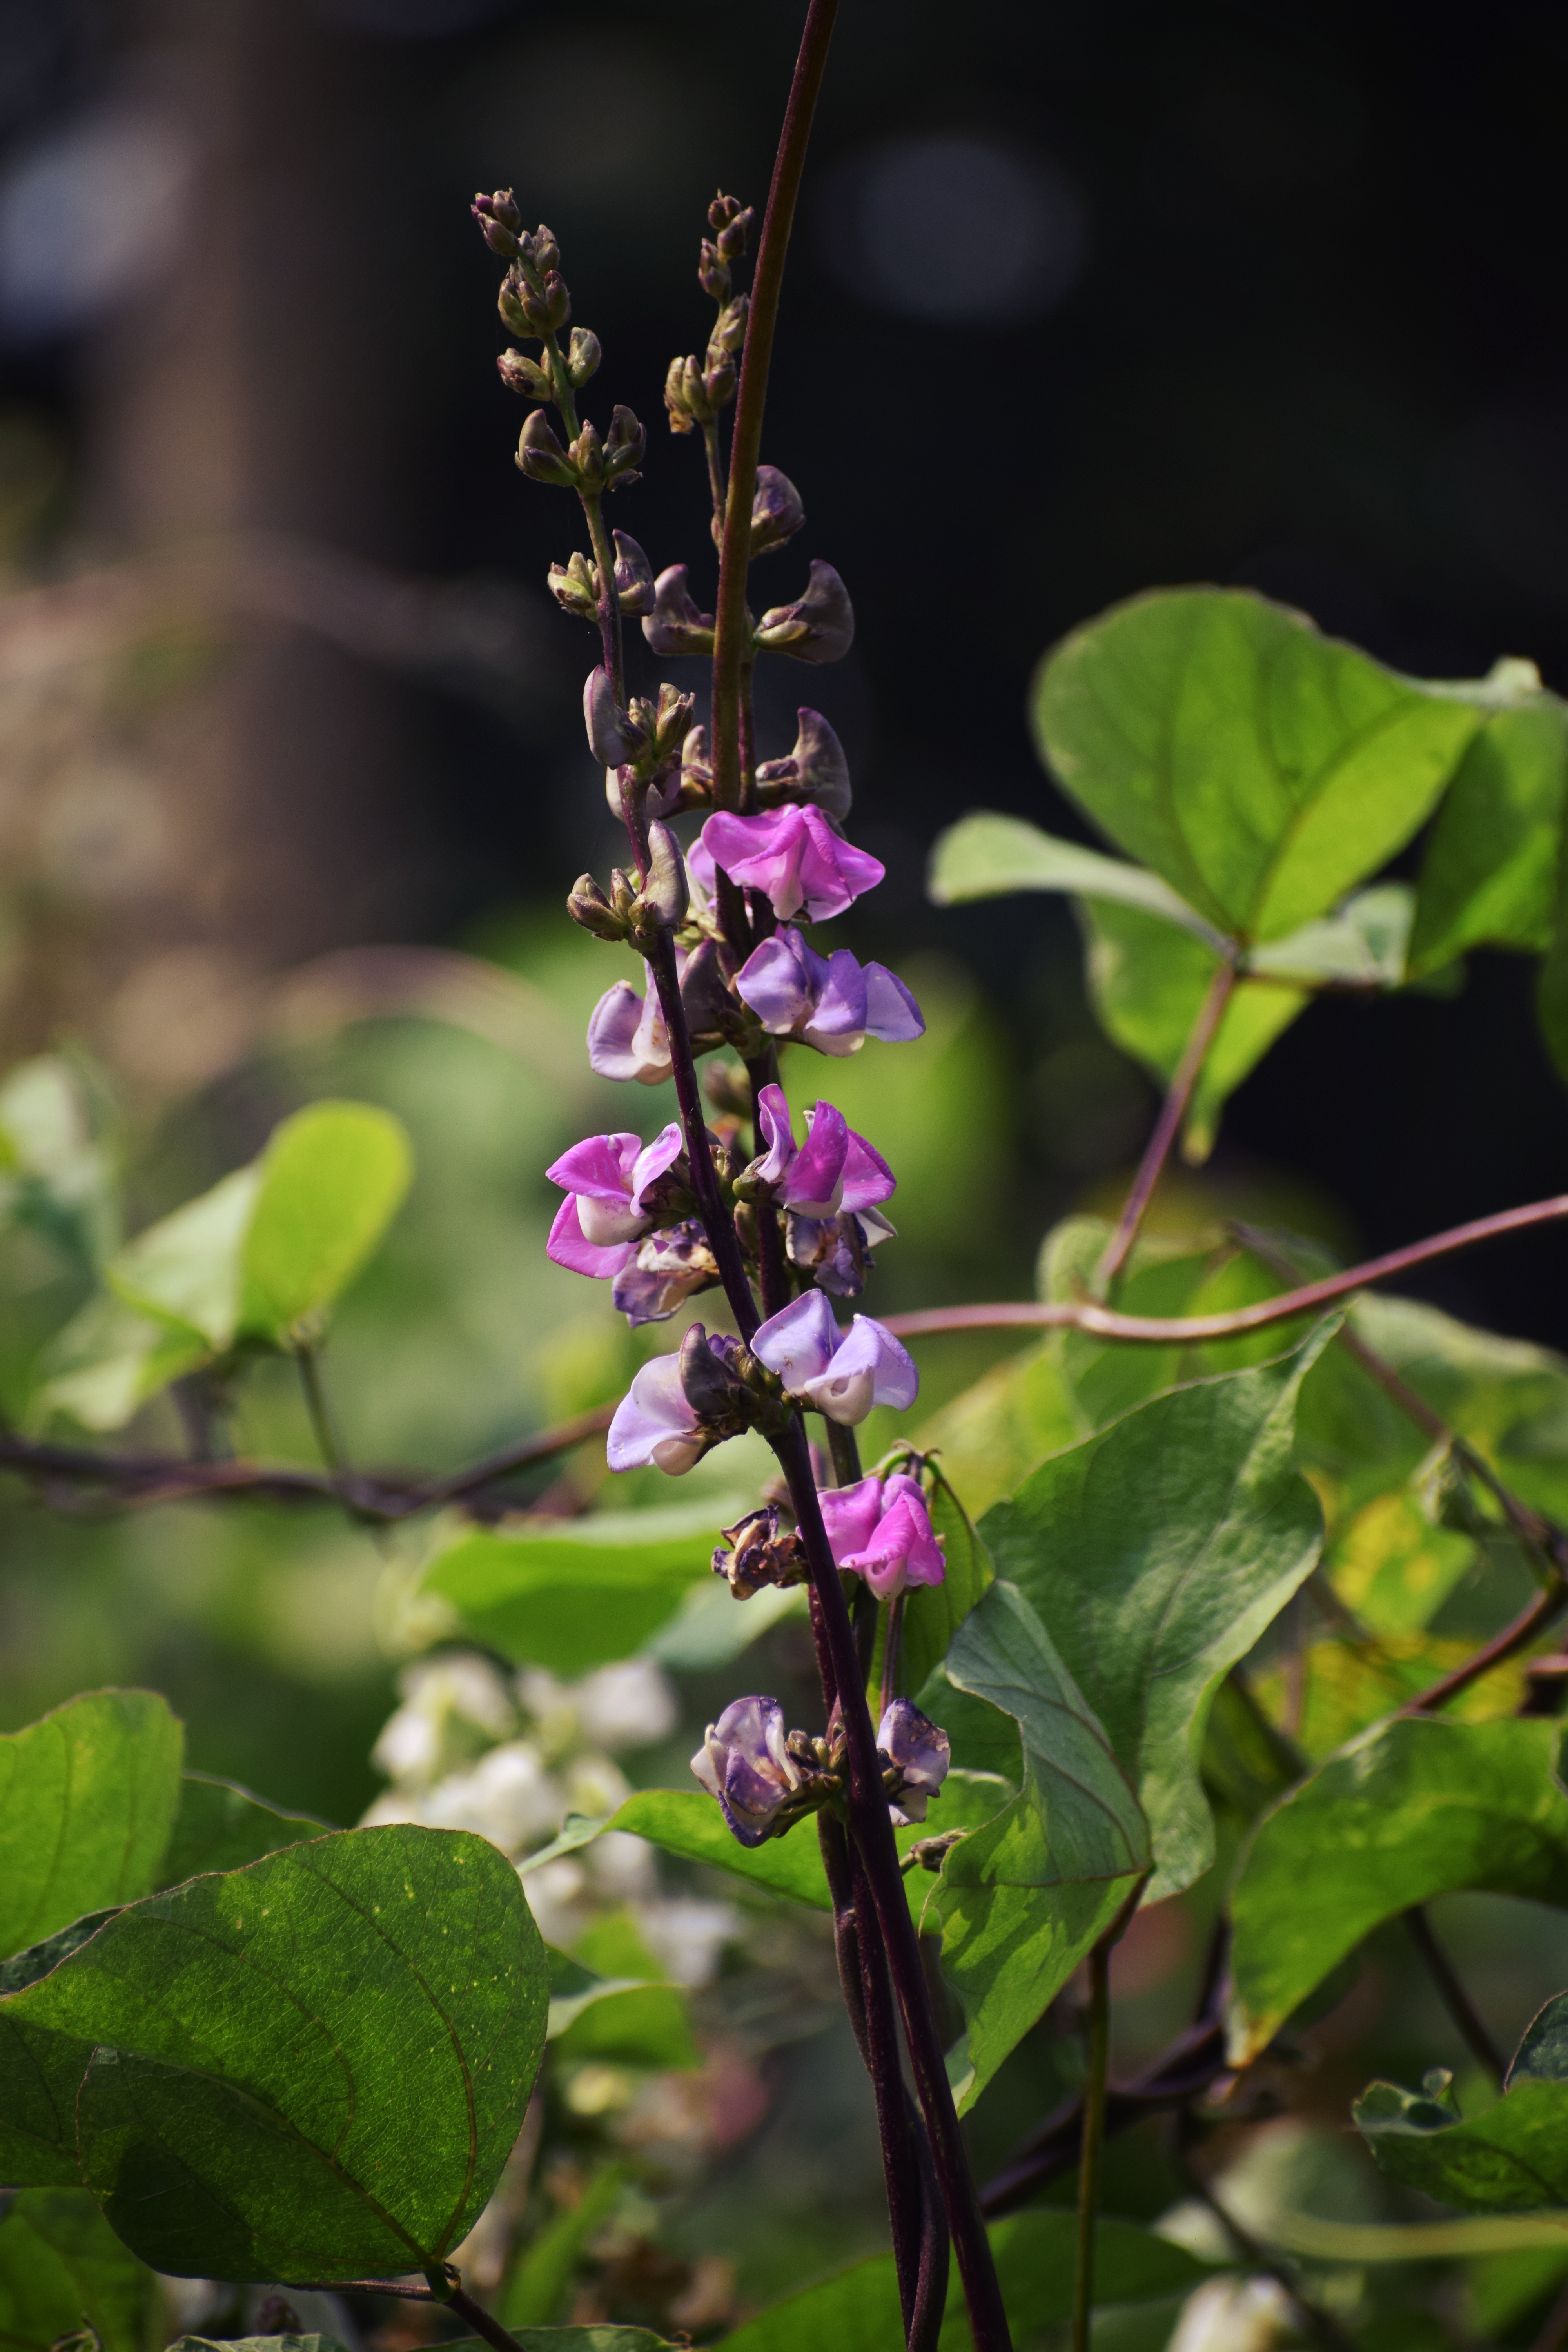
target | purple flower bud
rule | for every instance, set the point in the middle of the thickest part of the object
(842, 1375)
(730, 327)
(675, 625)
(833, 1169)
(881, 1529)
(712, 274)
(818, 626)
(541, 457)
(613, 738)
(744, 1762)
(667, 1270)
(633, 576)
(500, 220)
(654, 1427)
(792, 854)
(921, 1750)
(715, 1390)
(831, 1002)
(777, 510)
(626, 1036)
(520, 374)
(816, 772)
(604, 1213)
(583, 356)
(664, 896)
(625, 443)
(587, 905)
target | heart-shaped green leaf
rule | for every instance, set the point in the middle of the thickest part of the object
(86, 1799)
(332, 1178)
(1489, 876)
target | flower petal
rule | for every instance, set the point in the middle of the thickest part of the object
(849, 1514)
(654, 1424)
(891, 1013)
(569, 1245)
(798, 1342)
(815, 1179)
(601, 1166)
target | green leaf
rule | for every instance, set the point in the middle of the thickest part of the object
(856, 2309)
(1022, 1899)
(311, 2068)
(711, 1629)
(933, 1612)
(62, 2269)
(87, 1796)
(332, 1179)
(220, 1826)
(109, 1360)
(1364, 946)
(1155, 1553)
(608, 2337)
(1261, 769)
(994, 1434)
(1413, 1809)
(1147, 984)
(985, 855)
(1512, 2159)
(538, 2283)
(184, 1271)
(633, 2020)
(570, 1595)
(55, 1176)
(1489, 876)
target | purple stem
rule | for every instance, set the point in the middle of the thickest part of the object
(1172, 1112)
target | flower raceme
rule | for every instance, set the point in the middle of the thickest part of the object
(767, 1778)
(879, 1529)
(835, 1168)
(792, 855)
(829, 1002)
(605, 1214)
(842, 1374)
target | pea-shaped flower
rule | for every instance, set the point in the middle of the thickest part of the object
(626, 1036)
(655, 1427)
(833, 1169)
(922, 1752)
(842, 1374)
(744, 1762)
(605, 1212)
(793, 855)
(829, 1002)
(881, 1529)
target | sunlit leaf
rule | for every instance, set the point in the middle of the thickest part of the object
(220, 1826)
(62, 2269)
(1512, 2159)
(1155, 1553)
(185, 1269)
(1416, 1809)
(1022, 1899)
(332, 1178)
(933, 1612)
(312, 2068)
(985, 855)
(994, 1434)
(1361, 946)
(87, 1798)
(1489, 876)
(109, 1360)
(1261, 769)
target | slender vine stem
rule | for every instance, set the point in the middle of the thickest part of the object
(1164, 1330)
(731, 640)
(1092, 2141)
(1152, 1167)
(1461, 2009)
(1514, 1637)
(328, 1444)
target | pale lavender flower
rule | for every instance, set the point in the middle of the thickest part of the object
(605, 1212)
(655, 1426)
(829, 1002)
(744, 1762)
(921, 1751)
(793, 855)
(841, 1374)
(881, 1529)
(626, 1035)
(835, 1168)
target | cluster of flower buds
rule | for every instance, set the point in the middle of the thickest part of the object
(766, 1778)
(588, 464)
(697, 390)
(633, 912)
(575, 584)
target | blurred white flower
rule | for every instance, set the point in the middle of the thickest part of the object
(507, 1797)
(622, 1865)
(627, 1705)
(554, 1895)
(686, 1936)
(455, 1688)
(395, 1805)
(1232, 2315)
(595, 1786)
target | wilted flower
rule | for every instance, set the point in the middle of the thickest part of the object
(745, 1762)
(760, 1549)
(829, 1002)
(835, 1168)
(920, 1751)
(613, 738)
(626, 1035)
(604, 1211)
(793, 855)
(843, 1375)
(881, 1529)
(837, 1251)
(675, 625)
(653, 1425)
(665, 1270)
(777, 510)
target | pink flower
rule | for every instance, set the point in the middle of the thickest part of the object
(626, 1036)
(881, 1529)
(829, 1002)
(602, 1215)
(841, 1374)
(833, 1169)
(793, 853)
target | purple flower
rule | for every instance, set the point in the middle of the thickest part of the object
(675, 625)
(837, 1251)
(792, 854)
(655, 1427)
(665, 1271)
(818, 626)
(831, 1002)
(881, 1529)
(835, 1168)
(744, 1763)
(921, 1750)
(842, 1375)
(626, 1036)
(604, 1214)
(816, 771)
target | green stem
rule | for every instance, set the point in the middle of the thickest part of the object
(731, 641)
(1093, 2141)
(316, 1405)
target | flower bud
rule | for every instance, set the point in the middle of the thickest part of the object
(724, 210)
(575, 587)
(524, 376)
(675, 397)
(499, 220)
(713, 274)
(711, 1382)
(633, 576)
(624, 445)
(696, 768)
(777, 510)
(818, 626)
(713, 1013)
(731, 237)
(541, 457)
(587, 456)
(613, 737)
(816, 772)
(671, 721)
(665, 897)
(539, 249)
(586, 904)
(557, 302)
(675, 625)
(583, 356)
(509, 303)
(730, 327)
